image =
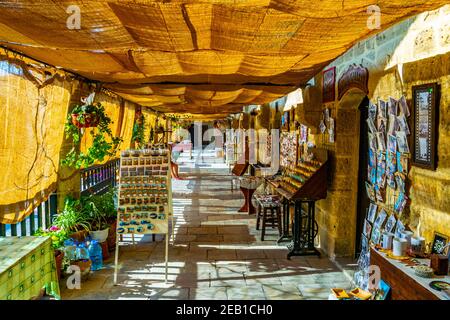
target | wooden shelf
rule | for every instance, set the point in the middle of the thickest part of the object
(314, 188)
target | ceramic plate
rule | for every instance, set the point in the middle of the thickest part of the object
(440, 285)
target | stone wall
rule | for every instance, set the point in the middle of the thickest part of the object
(416, 51)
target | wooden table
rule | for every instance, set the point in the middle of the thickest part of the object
(27, 264)
(405, 285)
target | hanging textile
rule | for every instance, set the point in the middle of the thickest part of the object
(31, 122)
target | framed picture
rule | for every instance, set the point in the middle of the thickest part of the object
(390, 224)
(425, 117)
(372, 212)
(376, 235)
(439, 243)
(329, 85)
(367, 229)
(285, 121)
(380, 219)
(383, 292)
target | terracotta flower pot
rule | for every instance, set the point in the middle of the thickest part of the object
(111, 240)
(84, 265)
(105, 250)
(79, 235)
(59, 255)
(90, 120)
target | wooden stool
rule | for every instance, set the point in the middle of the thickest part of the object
(268, 220)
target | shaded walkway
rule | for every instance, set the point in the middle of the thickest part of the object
(216, 254)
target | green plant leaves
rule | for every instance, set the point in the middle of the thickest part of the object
(104, 143)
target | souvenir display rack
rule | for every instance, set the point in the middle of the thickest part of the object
(145, 195)
(288, 149)
(305, 180)
(387, 178)
(302, 184)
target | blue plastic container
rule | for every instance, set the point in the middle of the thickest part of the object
(96, 255)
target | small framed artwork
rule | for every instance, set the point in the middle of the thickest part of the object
(440, 242)
(390, 224)
(380, 219)
(329, 85)
(376, 236)
(372, 212)
(364, 244)
(285, 121)
(383, 292)
(425, 117)
(367, 229)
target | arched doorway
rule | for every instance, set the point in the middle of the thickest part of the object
(352, 113)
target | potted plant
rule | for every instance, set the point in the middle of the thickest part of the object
(103, 141)
(100, 209)
(85, 116)
(138, 131)
(58, 237)
(73, 219)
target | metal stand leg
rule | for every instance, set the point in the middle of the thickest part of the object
(303, 242)
(116, 260)
(167, 256)
(286, 217)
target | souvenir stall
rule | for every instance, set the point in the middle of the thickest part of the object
(145, 196)
(300, 182)
(394, 261)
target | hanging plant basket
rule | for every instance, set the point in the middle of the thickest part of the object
(85, 120)
(104, 143)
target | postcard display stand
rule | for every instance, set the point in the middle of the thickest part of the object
(387, 178)
(145, 196)
(303, 183)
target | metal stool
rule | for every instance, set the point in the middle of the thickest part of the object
(268, 220)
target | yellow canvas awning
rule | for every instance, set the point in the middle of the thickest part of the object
(161, 54)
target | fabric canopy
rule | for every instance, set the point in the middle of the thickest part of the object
(245, 52)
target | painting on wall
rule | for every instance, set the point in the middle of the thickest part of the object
(329, 85)
(426, 100)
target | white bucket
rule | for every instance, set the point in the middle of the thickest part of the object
(100, 235)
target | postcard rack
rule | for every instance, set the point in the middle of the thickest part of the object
(302, 185)
(145, 196)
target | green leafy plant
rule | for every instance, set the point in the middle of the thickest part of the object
(138, 132)
(57, 235)
(73, 218)
(101, 210)
(103, 141)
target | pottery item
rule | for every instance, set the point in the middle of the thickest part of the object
(387, 240)
(399, 247)
(407, 235)
(418, 245)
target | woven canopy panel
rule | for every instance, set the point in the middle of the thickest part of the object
(204, 57)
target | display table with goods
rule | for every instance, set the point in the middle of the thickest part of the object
(400, 251)
(299, 185)
(27, 266)
(410, 278)
(248, 186)
(145, 195)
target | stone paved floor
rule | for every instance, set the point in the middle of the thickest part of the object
(216, 254)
